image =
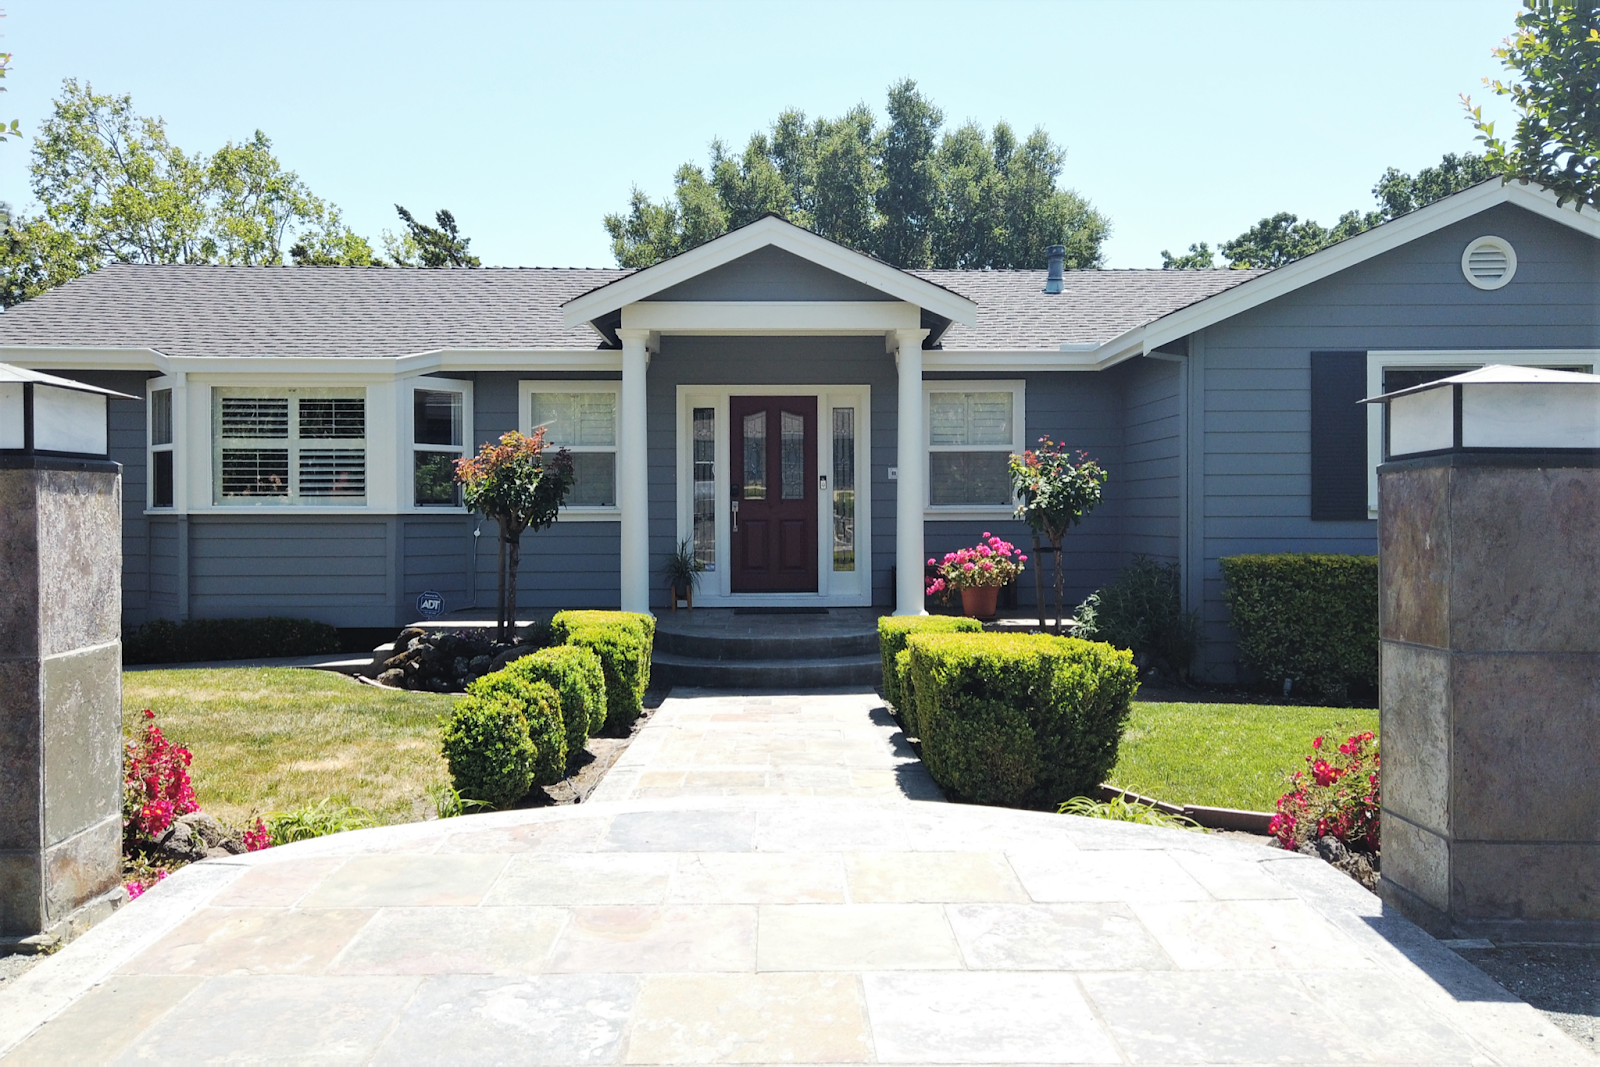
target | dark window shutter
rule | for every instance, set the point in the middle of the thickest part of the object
(1338, 435)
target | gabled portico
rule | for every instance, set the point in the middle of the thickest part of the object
(774, 280)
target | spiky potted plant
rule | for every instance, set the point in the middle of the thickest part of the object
(682, 572)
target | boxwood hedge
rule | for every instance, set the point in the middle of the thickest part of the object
(622, 640)
(892, 633)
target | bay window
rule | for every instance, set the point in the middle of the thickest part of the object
(438, 432)
(161, 460)
(289, 446)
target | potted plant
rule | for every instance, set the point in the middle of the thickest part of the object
(1054, 495)
(978, 573)
(683, 574)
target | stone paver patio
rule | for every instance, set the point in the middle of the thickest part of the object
(767, 880)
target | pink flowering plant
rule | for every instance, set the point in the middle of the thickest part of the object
(1336, 796)
(1054, 493)
(991, 561)
(155, 783)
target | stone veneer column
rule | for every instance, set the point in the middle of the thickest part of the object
(911, 457)
(1490, 627)
(60, 690)
(633, 486)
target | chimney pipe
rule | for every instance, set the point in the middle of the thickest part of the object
(1054, 255)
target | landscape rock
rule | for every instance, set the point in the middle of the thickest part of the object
(197, 836)
(442, 661)
(1362, 866)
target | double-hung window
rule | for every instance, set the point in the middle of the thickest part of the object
(973, 428)
(161, 472)
(582, 418)
(289, 446)
(438, 431)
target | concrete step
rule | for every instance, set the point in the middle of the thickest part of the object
(766, 646)
(820, 672)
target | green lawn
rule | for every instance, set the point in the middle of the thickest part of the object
(1225, 755)
(276, 739)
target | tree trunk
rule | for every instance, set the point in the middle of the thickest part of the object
(500, 588)
(1038, 578)
(1056, 542)
(514, 558)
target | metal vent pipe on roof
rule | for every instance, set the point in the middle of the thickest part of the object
(1053, 282)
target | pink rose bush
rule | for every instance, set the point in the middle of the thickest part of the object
(991, 561)
(155, 783)
(1336, 796)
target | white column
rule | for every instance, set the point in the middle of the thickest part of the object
(911, 457)
(633, 483)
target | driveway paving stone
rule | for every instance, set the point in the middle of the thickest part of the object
(767, 878)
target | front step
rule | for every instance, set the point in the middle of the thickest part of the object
(795, 644)
(814, 673)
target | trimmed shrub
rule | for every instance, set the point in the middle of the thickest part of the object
(203, 640)
(486, 744)
(540, 708)
(623, 641)
(1309, 619)
(892, 633)
(1142, 610)
(1021, 720)
(576, 676)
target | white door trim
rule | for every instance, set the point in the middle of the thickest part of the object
(841, 589)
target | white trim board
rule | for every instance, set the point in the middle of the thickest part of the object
(774, 231)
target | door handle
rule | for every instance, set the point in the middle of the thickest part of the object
(735, 516)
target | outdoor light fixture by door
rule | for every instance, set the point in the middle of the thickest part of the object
(1497, 409)
(42, 415)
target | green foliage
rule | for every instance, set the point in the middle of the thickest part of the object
(1283, 238)
(1054, 494)
(1311, 619)
(208, 640)
(486, 744)
(1021, 720)
(114, 188)
(319, 820)
(622, 640)
(1142, 610)
(449, 803)
(577, 677)
(429, 246)
(908, 192)
(893, 630)
(1555, 59)
(14, 129)
(540, 708)
(1121, 809)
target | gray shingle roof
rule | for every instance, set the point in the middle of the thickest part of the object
(185, 310)
(354, 311)
(1016, 314)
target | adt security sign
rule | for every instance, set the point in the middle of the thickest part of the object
(430, 605)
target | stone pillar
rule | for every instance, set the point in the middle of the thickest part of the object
(60, 691)
(911, 459)
(1490, 625)
(633, 485)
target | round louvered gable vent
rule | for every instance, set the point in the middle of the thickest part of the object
(1489, 262)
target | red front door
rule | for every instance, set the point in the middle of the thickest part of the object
(774, 492)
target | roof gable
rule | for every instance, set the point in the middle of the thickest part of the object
(771, 273)
(770, 231)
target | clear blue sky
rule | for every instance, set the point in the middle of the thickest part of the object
(1182, 121)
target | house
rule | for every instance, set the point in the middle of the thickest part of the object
(813, 422)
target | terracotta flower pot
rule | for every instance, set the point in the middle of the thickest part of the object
(978, 602)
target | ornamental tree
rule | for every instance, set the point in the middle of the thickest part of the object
(1055, 494)
(520, 484)
(1555, 59)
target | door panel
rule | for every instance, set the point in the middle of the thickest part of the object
(774, 487)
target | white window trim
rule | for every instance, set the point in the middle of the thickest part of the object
(292, 444)
(525, 391)
(152, 386)
(407, 421)
(1401, 359)
(1019, 423)
(834, 588)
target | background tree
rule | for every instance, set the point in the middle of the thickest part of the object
(1284, 238)
(1555, 55)
(14, 129)
(112, 187)
(1055, 495)
(518, 485)
(908, 192)
(429, 246)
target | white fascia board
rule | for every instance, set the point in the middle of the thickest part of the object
(353, 367)
(769, 231)
(992, 361)
(1358, 249)
(771, 317)
(35, 357)
(508, 359)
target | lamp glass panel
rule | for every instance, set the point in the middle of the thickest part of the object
(66, 420)
(11, 415)
(1544, 415)
(1422, 422)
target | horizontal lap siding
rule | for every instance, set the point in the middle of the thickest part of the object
(1256, 486)
(334, 569)
(163, 599)
(1151, 442)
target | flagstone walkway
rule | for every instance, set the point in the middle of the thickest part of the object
(766, 880)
